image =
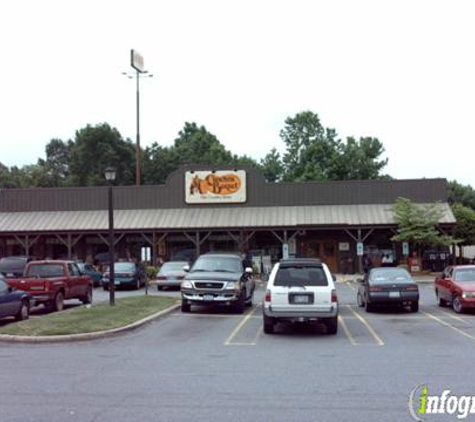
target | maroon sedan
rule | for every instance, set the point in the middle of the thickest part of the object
(456, 286)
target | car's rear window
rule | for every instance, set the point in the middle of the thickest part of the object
(465, 275)
(13, 265)
(173, 266)
(382, 276)
(46, 270)
(300, 276)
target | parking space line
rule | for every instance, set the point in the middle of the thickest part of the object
(346, 330)
(458, 330)
(239, 327)
(449, 314)
(375, 336)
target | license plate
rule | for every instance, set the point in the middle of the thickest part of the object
(300, 299)
(208, 297)
(394, 294)
(116, 283)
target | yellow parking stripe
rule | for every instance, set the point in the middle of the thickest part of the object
(458, 330)
(449, 314)
(376, 338)
(346, 330)
(239, 327)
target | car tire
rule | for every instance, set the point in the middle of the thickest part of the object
(24, 311)
(57, 304)
(415, 307)
(159, 288)
(87, 298)
(457, 305)
(332, 325)
(359, 300)
(268, 325)
(105, 288)
(368, 307)
(185, 306)
(441, 302)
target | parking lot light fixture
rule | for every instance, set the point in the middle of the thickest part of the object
(110, 174)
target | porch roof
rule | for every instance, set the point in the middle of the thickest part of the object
(206, 218)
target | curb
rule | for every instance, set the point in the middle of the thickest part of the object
(86, 336)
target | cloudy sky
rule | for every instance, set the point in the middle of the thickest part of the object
(402, 71)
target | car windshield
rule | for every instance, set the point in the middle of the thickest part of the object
(172, 266)
(46, 270)
(301, 276)
(124, 266)
(465, 275)
(382, 276)
(218, 264)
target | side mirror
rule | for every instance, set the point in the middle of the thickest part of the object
(186, 268)
(248, 270)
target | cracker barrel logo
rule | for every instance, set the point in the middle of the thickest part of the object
(219, 186)
(225, 184)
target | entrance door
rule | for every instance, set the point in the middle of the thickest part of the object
(325, 250)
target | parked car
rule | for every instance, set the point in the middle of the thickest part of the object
(171, 274)
(126, 274)
(13, 302)
(388, 287)
(456, 285)
(300, 291)
(91, 272)
(218, 279)
(50, 282)
(13, 266)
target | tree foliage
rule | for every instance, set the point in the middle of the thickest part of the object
(271, 166)
(417, 224)
(315, 153)
(465, 228)
(463, 194)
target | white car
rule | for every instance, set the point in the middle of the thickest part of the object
(300, 290)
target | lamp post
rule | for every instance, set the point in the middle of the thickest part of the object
(109, 174)
(136, 61)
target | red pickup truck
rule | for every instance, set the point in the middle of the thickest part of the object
(52, 282)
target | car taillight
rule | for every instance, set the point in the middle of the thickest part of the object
(268, 296)
(334, 296)
(161, 277)
(412, 288)
(375, 289)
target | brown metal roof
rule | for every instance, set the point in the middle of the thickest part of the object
(206, 218)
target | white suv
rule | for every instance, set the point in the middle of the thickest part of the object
(300, 290)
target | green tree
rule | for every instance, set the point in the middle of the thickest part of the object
(417, 224)
(463, 194)
(57, 162)
(158, 163)
(272, 167)
(359, 160)
(465, 228)
(98, 147)
(311, 148)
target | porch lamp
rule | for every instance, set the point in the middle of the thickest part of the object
(109, 174)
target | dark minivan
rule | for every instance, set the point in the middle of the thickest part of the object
(13, 266)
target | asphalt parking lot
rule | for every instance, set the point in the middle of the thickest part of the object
(214, 364)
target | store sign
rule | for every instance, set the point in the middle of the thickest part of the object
(211, 187)
(359, 249)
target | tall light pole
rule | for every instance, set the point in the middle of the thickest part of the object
(109, 174)
(137, 63)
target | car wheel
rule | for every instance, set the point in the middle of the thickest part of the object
(269, 325)
(332, 325)
(359, 300)
(441, 302)
(457, 305)
(57, 304)
(87, 297)
(415, 307)
(159, 288)
(185, 306)
(24, 311)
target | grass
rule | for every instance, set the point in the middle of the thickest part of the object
(84, 319)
